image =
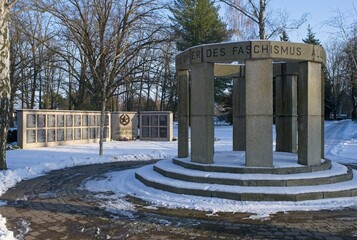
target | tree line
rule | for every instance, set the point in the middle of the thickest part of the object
(92, 55)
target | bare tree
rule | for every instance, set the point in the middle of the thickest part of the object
(256, 13)
(347, 32)
(335, 82)
(110, 34)
(5, 85)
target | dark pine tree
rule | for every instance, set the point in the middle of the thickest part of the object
(197, 22)
(284, 37)
(310, 38)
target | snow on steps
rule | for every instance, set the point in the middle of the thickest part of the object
(338, 181)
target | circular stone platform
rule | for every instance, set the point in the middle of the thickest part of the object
(228, 178)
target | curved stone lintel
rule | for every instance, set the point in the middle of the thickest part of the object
(241, 51)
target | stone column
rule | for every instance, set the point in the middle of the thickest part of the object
(309, 111)
(322, 114)
(239, 115)
(183, 113)
(259, 113)
(202, 113)
(286, 106)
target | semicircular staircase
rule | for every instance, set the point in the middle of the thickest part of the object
(228, 178)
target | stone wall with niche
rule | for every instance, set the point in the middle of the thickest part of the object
(42, 128)
(156, 126)
(124, 126)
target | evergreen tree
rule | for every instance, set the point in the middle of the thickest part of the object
(284, 37)
(197, 22)
(311, 39)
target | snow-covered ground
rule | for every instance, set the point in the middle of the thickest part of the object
(340, 146)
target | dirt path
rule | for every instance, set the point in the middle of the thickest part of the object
(52, 207)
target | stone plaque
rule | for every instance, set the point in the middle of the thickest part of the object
(60, 121)
(92, 119)
(154, 120)
(77, 134)
(145, 132)
(51, 121)
(51, 135)
(77, 120)
(41, 135)
(163, 120)
(146, 120)
(31, 120)
(69, 120)
(99, 120)
(154, 132)
(31, 136)
(163, 132)
(250, 50)
(84, 120)
(41, 120)
(85, 133)
(124, 126)
(60, 135)
(222, 52)
(93, 133)
(69, 134)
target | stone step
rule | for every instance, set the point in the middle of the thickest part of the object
(186, 163)
(337, 173)
(248, 193)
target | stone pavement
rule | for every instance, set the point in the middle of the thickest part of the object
(53, 207)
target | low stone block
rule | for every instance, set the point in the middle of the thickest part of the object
(337, 194)
(309, 196)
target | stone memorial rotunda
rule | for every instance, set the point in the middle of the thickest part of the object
(296, 170)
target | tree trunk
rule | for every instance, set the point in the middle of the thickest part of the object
(102, 120)
(5, 87)
(262, 19)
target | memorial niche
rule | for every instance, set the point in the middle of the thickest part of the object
(77, 134)
(85, 133)
(154, 120)
(41, 135)
(60, 120)
(77, 120)
(69, 120)
(31, 136)
(84, 120)
(41, 120)
(145, 132)
(51, 135)
(93, 133)
(154, 132)
(92, 119)
(60, 135)
(31, 120)
(145, 123)
(163, 132)
(51, 121)
(69, 134)
(163, 120)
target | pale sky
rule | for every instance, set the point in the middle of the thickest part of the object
(320, 12)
